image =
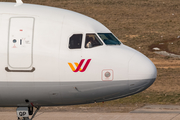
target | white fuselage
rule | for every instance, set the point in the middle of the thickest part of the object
(36, 58)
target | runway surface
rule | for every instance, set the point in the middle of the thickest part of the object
(152, 112)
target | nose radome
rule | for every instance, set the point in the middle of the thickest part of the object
(141, 68)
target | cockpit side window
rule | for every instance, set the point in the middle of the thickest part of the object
(92, 41)
(75, 41)
(109, 39)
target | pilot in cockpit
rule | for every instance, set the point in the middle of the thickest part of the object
(89, 41)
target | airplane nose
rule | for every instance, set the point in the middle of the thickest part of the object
(142, 72)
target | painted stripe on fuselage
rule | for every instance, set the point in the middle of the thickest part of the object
(13, 94)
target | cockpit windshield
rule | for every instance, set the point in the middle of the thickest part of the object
(109, 39)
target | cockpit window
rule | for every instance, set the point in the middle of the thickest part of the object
(92, 41)
(109, 39)
(75, 41)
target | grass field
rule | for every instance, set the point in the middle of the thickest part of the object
(138, 24)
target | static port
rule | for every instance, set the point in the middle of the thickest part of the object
(107, 74)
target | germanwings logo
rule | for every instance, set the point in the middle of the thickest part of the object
(79, 65)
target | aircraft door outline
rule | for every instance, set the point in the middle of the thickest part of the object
(20, 44)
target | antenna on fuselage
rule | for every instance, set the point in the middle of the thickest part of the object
(18, 3)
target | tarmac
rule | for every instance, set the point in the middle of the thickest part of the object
(150, 112)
